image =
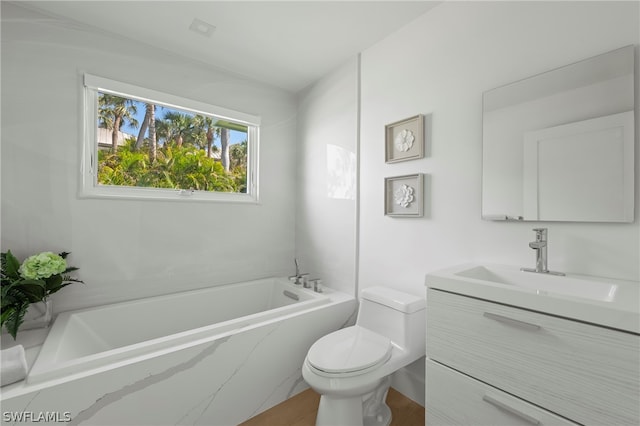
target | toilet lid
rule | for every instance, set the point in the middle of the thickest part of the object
(348, 350)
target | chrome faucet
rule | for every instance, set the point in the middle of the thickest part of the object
(540, 246)
(299, 278)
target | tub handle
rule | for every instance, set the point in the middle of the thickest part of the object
(291, 295)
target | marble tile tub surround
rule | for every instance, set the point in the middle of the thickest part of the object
(90, 338)
(198, 383)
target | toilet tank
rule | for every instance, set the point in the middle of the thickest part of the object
(394, 314)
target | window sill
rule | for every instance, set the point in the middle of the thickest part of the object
(107, 192)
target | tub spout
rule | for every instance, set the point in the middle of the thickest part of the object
(299, 277)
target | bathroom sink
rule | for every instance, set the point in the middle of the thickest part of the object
(609, 302)
(583, 287)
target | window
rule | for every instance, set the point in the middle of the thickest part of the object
(141, 143)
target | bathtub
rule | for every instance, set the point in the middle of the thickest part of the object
(217, 356)
(89, 338)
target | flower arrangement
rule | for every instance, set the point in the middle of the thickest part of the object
(38, 277)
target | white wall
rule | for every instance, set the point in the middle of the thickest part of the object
(326, 206)
(439, 65)
(131, 249)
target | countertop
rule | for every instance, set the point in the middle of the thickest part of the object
(620, 311)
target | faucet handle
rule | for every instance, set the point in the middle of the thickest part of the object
(317, 285)
(301, 278)
(541, 234)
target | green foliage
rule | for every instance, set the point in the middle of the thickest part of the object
(114, 111)
(18, 292)
(176, 155)
(176, 167)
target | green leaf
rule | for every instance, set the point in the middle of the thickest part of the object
(10, 265)
(64, 285)
(18, 284)
(53, 283)
(67, 278)
(7, 299)
(4, 315)
(13, 316)
(34, 290)
(24, 291)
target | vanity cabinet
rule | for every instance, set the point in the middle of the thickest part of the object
(456, 399)
(494, 364)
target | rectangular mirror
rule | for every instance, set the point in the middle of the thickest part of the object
(559, 146)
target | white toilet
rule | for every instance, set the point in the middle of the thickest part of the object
(351, 368)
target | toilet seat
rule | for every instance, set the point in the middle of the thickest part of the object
(348, 352)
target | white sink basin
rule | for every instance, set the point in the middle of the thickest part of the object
(583, 287)
(609, 302)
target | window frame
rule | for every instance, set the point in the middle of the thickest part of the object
(89, 187)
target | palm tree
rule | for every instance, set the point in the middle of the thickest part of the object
(238, 155)
(177, 127)
(153, 142)
(204, 127)
(113, 112)
(224, 127)
(224, 146)
(149, 122)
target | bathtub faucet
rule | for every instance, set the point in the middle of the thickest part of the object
(299, 278)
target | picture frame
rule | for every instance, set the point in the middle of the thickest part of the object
(403, 195)
(404, 139)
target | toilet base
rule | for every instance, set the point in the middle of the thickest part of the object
(361, 410)
(375, 411)
(383, 418)
(339, 411)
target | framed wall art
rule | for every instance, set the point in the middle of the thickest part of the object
(404, 140)
(403, 195)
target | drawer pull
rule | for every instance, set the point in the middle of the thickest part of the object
(511, 321)
(501, 405)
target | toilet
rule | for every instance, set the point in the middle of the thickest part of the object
(351, 368)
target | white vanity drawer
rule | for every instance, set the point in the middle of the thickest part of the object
(455, 399)
(586, 373)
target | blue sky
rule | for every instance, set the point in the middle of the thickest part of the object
(235, 136)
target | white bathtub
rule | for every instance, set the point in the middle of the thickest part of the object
(216, 356)
(95, 337)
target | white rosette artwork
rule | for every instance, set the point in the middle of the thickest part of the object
(404, 140)
(403, 195)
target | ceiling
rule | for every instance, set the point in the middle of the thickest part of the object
(288, 44)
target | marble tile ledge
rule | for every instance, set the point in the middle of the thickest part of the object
(31, 341)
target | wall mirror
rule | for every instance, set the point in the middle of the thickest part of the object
(559, 146)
